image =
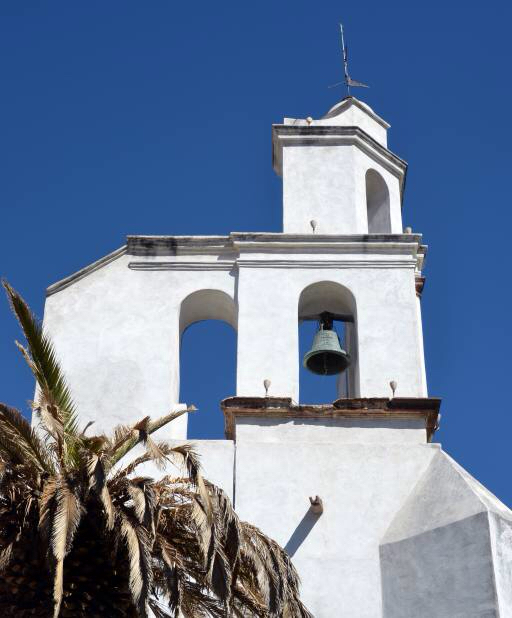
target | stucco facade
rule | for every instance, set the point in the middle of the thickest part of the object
(405, 531)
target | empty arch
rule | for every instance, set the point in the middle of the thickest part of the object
(207, 367)
(377, 203)
(334, 298)
(207, 305)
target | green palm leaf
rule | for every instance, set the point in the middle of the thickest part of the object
(54, 394)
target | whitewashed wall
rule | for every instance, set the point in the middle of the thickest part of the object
(118, 329)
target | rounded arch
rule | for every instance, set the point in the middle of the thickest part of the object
(207, 305)
(207, 358)
(377, 203)
(326, 296)
(335, 298)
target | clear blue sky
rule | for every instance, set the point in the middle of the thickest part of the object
(154, 118)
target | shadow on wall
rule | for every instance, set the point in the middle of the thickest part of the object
(307, 523)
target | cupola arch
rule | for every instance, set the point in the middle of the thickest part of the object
(377, 203)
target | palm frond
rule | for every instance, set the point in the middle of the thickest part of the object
(67, 517)
(53, 390)
(198, 603)
(19, 441)
(277, 575)
(98, 483)
(129, 438)
(5, 556)
(139, 501)
(138, 548)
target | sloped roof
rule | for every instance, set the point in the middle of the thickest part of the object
(347, 102)
(445, 494)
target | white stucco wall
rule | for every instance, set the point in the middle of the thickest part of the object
(448, 551)
(327, 183)
(389, 346)
(117, 329)
(501, 539)
(362, 485)
(405, 531)
(117, 333)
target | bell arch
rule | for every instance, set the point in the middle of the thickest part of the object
(335, 298)
(207, 365)
(377, 203)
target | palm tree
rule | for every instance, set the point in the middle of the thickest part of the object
(82, 535)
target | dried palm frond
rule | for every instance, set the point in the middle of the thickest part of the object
(82, 536)
(65, 523)
(20, 443)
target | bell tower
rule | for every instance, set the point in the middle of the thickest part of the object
(342, 252)
(342, 202)
(374, 515)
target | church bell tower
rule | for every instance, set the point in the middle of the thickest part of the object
(379, 521)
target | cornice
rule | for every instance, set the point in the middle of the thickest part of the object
(426, 408)
(320, 135)
(262, 250)
(177, 245)
(181, 266)
(326, 264)
(364, 243)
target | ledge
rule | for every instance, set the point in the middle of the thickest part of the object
(174, 245)
(224, 252)
(299, 135)
(426, 408)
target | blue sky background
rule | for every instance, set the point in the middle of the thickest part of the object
(154, 118)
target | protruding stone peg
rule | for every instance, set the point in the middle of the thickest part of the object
(317, 506)
(266, 384)
(393, 385)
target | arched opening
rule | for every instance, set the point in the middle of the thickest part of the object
(377, 204)
(328, 296)
(208, 321)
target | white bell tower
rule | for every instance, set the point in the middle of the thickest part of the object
(404, 531)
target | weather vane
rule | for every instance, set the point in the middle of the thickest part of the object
(348, 81)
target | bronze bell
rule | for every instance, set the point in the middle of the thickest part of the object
(326, 356)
